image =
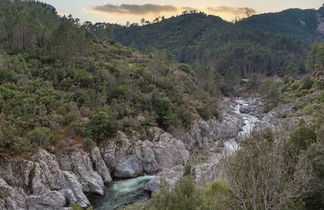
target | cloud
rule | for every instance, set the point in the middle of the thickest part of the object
(188, 9)
(236, 11)
(154, 10)
(133, 9)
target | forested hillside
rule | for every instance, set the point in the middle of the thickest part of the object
(60, 86)
(297, 23)
(80, 112)
(268, 44)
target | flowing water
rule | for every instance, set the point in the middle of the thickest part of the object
(249, 123)
(122, 193)
(249, 120)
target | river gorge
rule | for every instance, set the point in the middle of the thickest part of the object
(126, 192)
(114, 175)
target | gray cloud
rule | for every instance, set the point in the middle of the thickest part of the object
(238, 11)
(133, 9)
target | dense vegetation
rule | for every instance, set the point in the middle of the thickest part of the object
(268, 172)
(269, 44)
(297, 23)
(60, 86)
(272, 170)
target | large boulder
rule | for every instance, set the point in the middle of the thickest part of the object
(80, 164)
(168, 176)
(132, 167)
(246, 109)
(130, 157)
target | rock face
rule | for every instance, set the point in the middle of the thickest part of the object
(52, 181)
(134, 157)
(278, 120)
(49, 181)
(39, 184)
(80, 164)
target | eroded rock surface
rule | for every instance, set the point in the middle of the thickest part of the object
(52, 181)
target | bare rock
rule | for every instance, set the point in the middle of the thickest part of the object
(100, 165)
(246, 109)
(80, 164)
(52, 200)
(168, 176)
(130, 168)
(165, 151)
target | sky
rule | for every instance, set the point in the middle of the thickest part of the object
(121, 11)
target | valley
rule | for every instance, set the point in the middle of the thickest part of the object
(190, 112)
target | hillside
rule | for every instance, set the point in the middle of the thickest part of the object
(86, 122)
(266, 44)
(297, 23)
(60, 86)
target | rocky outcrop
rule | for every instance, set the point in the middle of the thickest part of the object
(52, 181)
(169, 176)
(99, 165)
(80, 164)
(208, 134)
(49, 181)
(278, 119)
(130, 157)
(39, 184)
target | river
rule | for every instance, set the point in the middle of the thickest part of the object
(123, 193)
(249, 123)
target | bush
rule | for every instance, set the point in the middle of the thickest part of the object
(186, 117)
(184, 196)
(270, 93)
(302, 138)
(208, 110)
(41, 136)
(307, 83)
(162, 107)
(101, 126)
(258, 176)
(88, 143)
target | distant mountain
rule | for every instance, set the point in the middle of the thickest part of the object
(267, 44)
(171, 34)
(301, 24)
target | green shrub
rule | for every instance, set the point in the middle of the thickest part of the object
(303, 137)
(163, 109)
(184, 196)
(88, 143)
(101, 126)
(185, 116)
(307, 83)
(41, 136)
(208, 110)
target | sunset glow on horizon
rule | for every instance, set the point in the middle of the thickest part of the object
(133, 11)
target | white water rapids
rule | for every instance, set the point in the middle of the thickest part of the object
(122, 193)
(249, 123)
